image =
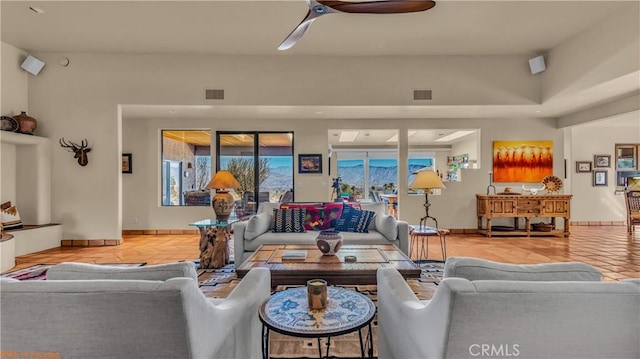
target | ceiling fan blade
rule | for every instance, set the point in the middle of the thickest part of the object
(297, 33)
(379, 7)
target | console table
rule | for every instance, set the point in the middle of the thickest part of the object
(523, 206)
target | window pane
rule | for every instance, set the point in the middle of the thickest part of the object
(351, 173)
(186, 167)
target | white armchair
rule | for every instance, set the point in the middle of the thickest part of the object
(126, 318)
(518, 318)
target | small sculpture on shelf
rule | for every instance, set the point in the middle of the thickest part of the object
(533, 191)
(26, 123)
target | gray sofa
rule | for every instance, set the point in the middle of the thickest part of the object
(89, 311)
(251, 234)
(556, 310)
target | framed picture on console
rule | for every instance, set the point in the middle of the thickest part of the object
(310, 163)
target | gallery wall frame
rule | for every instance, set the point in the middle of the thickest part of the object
(127, 163)
(600, 178)
(583, 166)
(601, 161)
(310, 163)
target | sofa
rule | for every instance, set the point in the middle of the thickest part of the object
(555, 310)
(258, 230)
(89, 311)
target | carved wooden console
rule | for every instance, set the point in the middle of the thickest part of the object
(523, 206)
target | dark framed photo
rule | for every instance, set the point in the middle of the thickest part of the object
(602, 161)
(600, 177)
(583, 166)
(310, 163)
(127, 163)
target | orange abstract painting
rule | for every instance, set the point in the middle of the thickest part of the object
(522, 161)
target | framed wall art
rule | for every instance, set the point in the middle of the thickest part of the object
(522, 161)
(600, 177)
(127, 163)
(583, 166)
(309, 163)
(602, 161)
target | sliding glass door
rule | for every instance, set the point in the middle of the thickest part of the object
(262, 162)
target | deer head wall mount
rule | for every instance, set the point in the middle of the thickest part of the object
(79, 150)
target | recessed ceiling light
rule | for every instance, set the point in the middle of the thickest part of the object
(173, 111)
(538, 111)
(348, 136)
(367, 134)
(454, 136)
(37, 10)
(319, 112)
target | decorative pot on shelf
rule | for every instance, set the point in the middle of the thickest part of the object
(329, 242)
(27, 124)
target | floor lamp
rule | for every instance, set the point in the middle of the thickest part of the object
(426, 181)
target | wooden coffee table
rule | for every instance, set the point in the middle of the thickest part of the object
(333, 269)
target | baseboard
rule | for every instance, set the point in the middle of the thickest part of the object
(598, 223)
(91, 242)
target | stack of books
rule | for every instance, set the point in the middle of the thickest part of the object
(294, 255)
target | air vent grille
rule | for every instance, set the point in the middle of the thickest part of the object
(422, 94)
(212, 94)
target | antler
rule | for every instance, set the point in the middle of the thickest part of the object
(74, 146)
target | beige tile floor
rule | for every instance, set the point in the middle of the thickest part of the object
(609, 248)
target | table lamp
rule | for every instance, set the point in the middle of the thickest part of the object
(222, 202)
(426, 181)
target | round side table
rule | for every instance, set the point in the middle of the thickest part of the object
(423, 234)
(287, 312)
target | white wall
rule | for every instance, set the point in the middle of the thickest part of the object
(81, 101)
(599, 203)
(14, 81)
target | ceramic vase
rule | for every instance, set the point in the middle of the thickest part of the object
(26, 123)
(329, 242)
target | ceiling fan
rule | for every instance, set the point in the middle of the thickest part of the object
(318, 8)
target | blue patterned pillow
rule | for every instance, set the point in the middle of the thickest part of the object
(289, 220)
(354, 220)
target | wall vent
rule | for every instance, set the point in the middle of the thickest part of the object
(422, 94)
(211, 94)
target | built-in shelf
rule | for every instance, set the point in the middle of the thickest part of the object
(26, 182)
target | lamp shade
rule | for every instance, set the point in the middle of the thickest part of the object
(223, 180)
(426, 180)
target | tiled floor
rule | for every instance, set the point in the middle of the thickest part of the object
(608, 248)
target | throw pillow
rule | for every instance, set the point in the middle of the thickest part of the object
(330, 215)
(354, 220)
(5, 205)
(313, 216)
(288, 220)
(10, 218)
(387, 226)
(258, 224)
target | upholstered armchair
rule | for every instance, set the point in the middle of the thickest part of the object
(160, 314)
(568, 314)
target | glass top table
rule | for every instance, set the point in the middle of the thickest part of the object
(214, 238)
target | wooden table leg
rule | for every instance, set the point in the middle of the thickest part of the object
(216, 253)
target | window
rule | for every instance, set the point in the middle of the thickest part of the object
(186, 167)
(262, 162)
(364, 172)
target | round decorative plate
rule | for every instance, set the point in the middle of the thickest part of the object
(552, 184)
(8, 124)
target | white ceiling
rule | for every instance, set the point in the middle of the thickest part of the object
(452, 27)
(258, 27)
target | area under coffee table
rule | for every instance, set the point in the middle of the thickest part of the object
(334, 269)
